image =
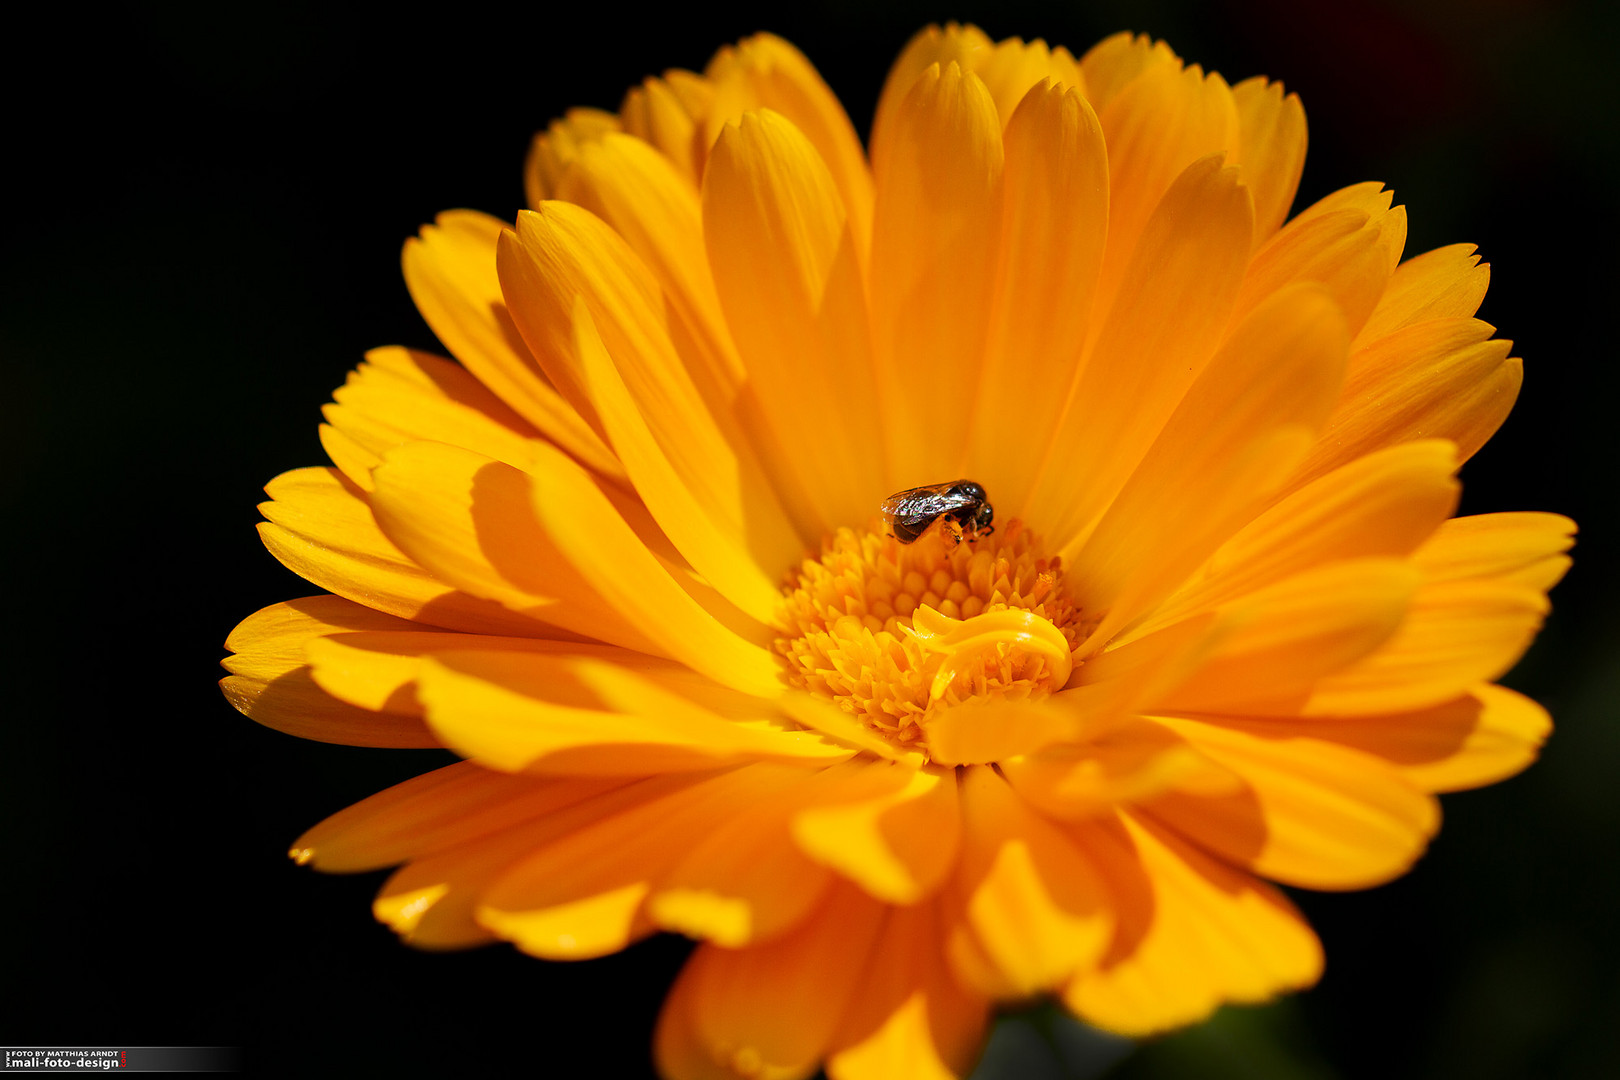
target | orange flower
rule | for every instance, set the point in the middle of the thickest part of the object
(625, 557)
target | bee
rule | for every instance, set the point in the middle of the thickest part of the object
(961, 506)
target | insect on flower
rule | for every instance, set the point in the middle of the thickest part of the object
(961, 505)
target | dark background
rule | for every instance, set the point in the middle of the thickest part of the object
(206, 215)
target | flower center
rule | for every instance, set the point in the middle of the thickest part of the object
(896, 632)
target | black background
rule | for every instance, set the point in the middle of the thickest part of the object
(206, 214)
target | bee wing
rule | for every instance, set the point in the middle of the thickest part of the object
(922, 504)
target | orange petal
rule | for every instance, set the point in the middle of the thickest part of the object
(1111, 64)
(1054, 223)
(1171, 316)
(765, 72)
(789, 280)
(1213, 935)
(1349, 252)
(1157, 126)
(1277, 643)
(1137, 761)
(1486, 735)
(934, 238)
(1313, 814)
(1525, 548)
(1228, 445)
(270, 683)
(966, 46)
(1012, 68)
(1456, 634)
(1384, 504)
(1437, 379)
(1445, 283)
(1270, 150)
(558, 254)
(770, 1011)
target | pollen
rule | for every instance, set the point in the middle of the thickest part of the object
(894, 633)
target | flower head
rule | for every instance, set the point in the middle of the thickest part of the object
(625, 556)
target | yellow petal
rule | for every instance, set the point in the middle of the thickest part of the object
(399, 396)
(1434, 379)
(934, 237)
(896, 842)
(764, 72)
(1215, 935)
(1172, 313)
(378, 670)
(575, 712)
(560, 253)
(556, 148)
(1270, 150)
(1223, 451)
(789, 280)
(581, 895)
(716, 508)
(270, 683)
(911, 1018)
(1031, 907)
(1275, 644)
(637, 191)
(433, 902)
(686, 625)
(438, 811)
(665, 112)
(450, 272)
(769, 1012)
(1054, 223)
(322, 529)
(1313, 814)
(1445, 283)
(823, 716)
(746, 881)
(470, 521)
(983, 732)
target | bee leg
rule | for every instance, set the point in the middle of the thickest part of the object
(951, 529)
